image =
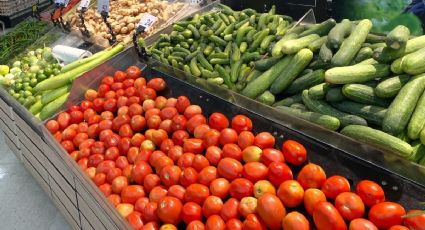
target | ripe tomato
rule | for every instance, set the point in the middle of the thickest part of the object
(64, 120)
(135, 220)
(361, 224)
(191, 212)
(195, 225)
(255, 171)
(151, 181)
(326, 217)
(232, 151)
(229, 168)
(193, 145)
(170, 175)
(99, 179)
(191, 110)
(194, 121)
(271, 155)
(140, 170)
(160, 102)
(398, 227)
(179, 122)
(124, 209)
(228, 136)
(118, 184)
(52, 126)
(386, 214)
(133, 72)
(240, 188)
(76, 117)
(122, 101)
(311, 176)
(95, 159)
(220, 187)
(252, 154)
(112, 174)
(248, 205)
(349, 205)
(176, 191)
(335, 185)
(188, 176)
(186, 160)
(121, 162)
(290, 193)
(196, 193)
(294, 152)
(312, 197)
(171, 102)
(215, 222)
(254, 222)
(245, 139)
(157, 84)
(147, 93)
(278, 173)
(182, 103)
(212, 206)
(105, 166)
(200, 130)
(173, 151)
(149, 212)
(169, 210)
(69, 134)
(179, 137)
(214, 154)
(211, 138)
(295, 221)
(230, 209)
(148, 104)
(157, 193)
(114, 199)
(141, 204)
(86, 105)
(168, 113)
(132, 193)
(271, 210)
(235, 224)
(162, 162)
(207, 175)
(264, 140)
(106, 189)
(370, 192)
(241, 123)
(135, 109)
(218, 121)
(415, 222)
(154, 122)
(139, 82)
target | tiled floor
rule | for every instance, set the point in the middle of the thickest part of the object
(23, 204)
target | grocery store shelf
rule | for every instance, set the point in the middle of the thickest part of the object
(24, 204)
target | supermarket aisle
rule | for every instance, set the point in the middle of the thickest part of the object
(23, 204)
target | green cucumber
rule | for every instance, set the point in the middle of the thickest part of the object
(53, 107)
(295, 45)
(417, 121)
(297, 98)
(369, 61)
(363, 94)
(338, 33)
(299, 106)
(322, 107)
(378, 138)
(402, 107)
(334, 95)
(325, 53)
(363, 54)
(277, 48)
(306, 81)
(374, 38)
(319, 91)
(397, 66)
(387, 54)
(390, 87)
(295, 67)
(54, 94)
(320, 29)
(326, 121)
(398, 37)
(266, 98)
(373, 114)
(315, 45)
(356, 73)
(266, 63)
(414, 63)
(418, 151)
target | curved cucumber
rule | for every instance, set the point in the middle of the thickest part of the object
(363, 94)
(338, 33)
(326, 121)
(372, 114)
(398, 37)
(391, 86)
(310, 79)
(319, 91)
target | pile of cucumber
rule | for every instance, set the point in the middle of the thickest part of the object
(337, 75)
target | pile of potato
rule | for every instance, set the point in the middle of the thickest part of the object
(124, 16)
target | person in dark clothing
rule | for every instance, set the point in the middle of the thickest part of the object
(417, 7)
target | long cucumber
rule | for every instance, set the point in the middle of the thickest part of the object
(372, 114)
(53, 94)
(53, 107)
(417, 121)
(325, 121)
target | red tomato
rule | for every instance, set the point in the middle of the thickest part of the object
(245, 139)
(212, 206)
(157, 84)
(207, 175)
(335, 185)
(118, 184)
(361, 224)
(171, 102)
(349, 205)
(141, 204)
(133, 155)
(138, 123)
(137, 139)
(148, 104)
(196, 193)
(147, 93)
(170, 175)
(191, 110)
(311, 176)
(154, 122)
(135, 109)
(160, 102)
(162, 162)
(271, 155)
(64, 120)
(228, 136)
(121, 162)
(188, 176)
(130, 194)
(235, 224)
(126, 131)
(211, 138)
(278, 173)
(149, 213)
(135, 220)
(232, 151)
(105, 125)
(69, 134)
(194, 121)
(241, 123)
(214, 154)
(195, 225)
(263, 186)
(169, 210)
(110, 95)
(191, 212)
(151, 181)
(128, 83)
(86, 105)
(133, 72)
(312, 197)
(167, 145)
(264, 140)
(114, 199)
(215, 222)
(106, 189)
(124, 209)
(182, 103)
(193, 145)
(82, 163)
(252, 154)
(290, 193)
(326, 217)
(139, 82)
(248, 205)
(179, 123)
(76, 117)
(255, 171)
(220, 187)
(295, 221)
(398, 227)
(122, 101)
(200, 130)
(230, 209)
(52, 126)
(179, 137)
(119, 76)
(157, 193)
(370, 192)
(294, 152)
(140, 170)
(240, 188)
(168, 113)
(105, 166)
(415, 222)
(254, 222)
(200, 162)
(386, 214)
(218, 121)
(99, 179)
(229, 168)
(271, 210)
(176, 191)
(112, 174)
(117, 86)
(186, 160)
(130, 91)
(95, 160)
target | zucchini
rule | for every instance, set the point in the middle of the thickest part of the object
(306, 81)
(398, 37)
(338, 33)
(417, 121)
(263, 82)
(403, 105)
(378, 138)
(387, 54)
(266, 98)
(391, 86)
(266, 63)
(418, 151)
(322, 107)
(326, 121)
(325, 53)
(414, 63)
(315, 45)
(352, 44)
(295, 45)
(363, 94)
(320, 29)
(295, 67)
(297, 98)
(319, 91)
(373, 114)
(363, 54)
(334, 95)
(356, 73)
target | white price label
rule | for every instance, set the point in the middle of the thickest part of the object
(103, 6)
(84, 4)
(60, 2)
(147, 20)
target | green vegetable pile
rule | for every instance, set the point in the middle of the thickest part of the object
(337, 75)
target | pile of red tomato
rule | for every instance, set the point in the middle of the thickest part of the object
(164, 165)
